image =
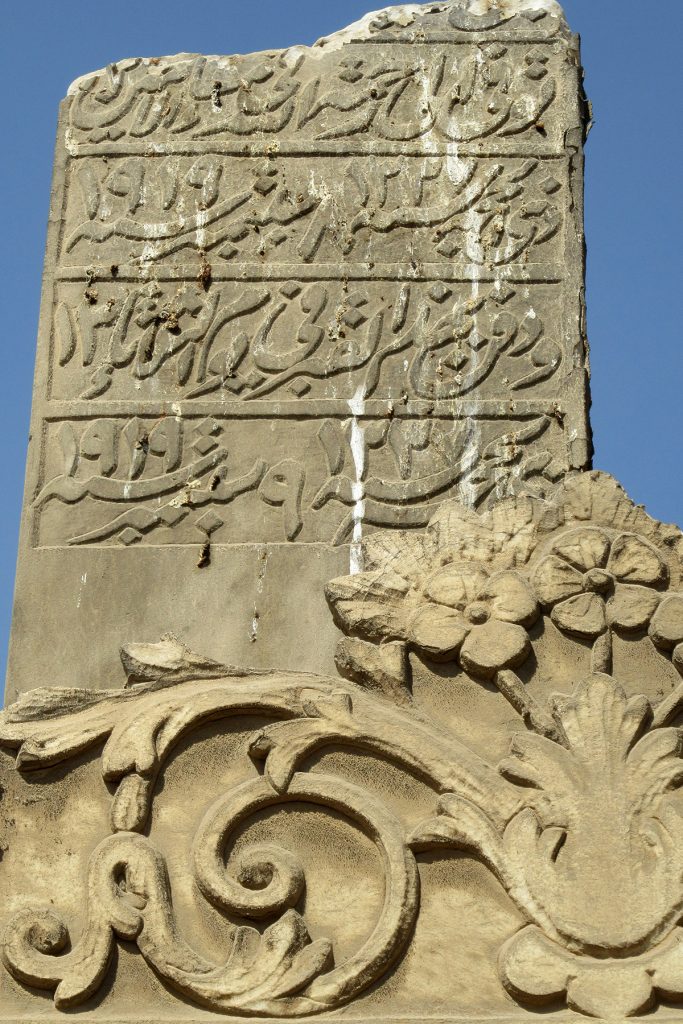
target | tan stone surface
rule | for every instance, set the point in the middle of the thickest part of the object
(400, 738)
(483, 819)
(291, 298)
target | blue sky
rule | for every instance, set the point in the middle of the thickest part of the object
(634, 206)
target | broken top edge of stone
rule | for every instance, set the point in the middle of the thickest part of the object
(402, 16)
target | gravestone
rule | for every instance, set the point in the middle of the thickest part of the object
(338, 680)
(292, 298)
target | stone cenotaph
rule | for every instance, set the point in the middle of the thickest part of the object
(340, 685)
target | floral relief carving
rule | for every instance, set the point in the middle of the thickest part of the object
(580, 822)
(591, 582)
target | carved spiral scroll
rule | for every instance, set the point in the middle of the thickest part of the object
(35, 940)
(129, 897)
(396, 921)
(268, 878)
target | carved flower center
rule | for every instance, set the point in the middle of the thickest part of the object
(597, 581)
(477, 613)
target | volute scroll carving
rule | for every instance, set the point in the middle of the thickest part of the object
(580, 819)
(308, 309)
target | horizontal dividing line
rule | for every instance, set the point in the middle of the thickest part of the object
(113, 546)
(325, 148)
(436, 37)
(312, 409)
(99, 546)
(529, 273)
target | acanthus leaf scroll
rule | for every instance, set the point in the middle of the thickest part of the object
(580, 820)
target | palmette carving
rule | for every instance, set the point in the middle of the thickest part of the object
(578, 822)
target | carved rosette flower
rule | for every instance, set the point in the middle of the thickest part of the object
(439, 604)
(592, 582)
(464, 613)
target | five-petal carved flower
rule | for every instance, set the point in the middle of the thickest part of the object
(469, 588)
(478, 618)
(592, 582)
(434, 601)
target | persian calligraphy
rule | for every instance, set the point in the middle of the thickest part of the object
(301, 292)
(491, 89)
(319, 340)
(181, 479)
(276, 210)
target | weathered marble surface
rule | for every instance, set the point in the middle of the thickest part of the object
(290, 298)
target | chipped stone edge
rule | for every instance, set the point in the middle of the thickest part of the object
(405, 14)
(402, 15)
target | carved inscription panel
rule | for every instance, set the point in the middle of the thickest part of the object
(297, 296)
(321, 245)
(186, 479)
(284, 341)
(330, 209)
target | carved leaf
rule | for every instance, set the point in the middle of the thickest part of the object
(533, 966)
(370, 603)
(168, 660)
(456, 585)
(408, 554)
(129, 896)
(585, 548)
(461, 825)
(383, 668)
(263, 971)
(599, 721)
(539, 763)
(47, 703)
(655, 766)
(285, 745)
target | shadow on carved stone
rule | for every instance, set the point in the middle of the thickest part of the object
(577, 823)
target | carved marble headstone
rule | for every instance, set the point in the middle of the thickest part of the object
(400, 734)
(292, 298)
